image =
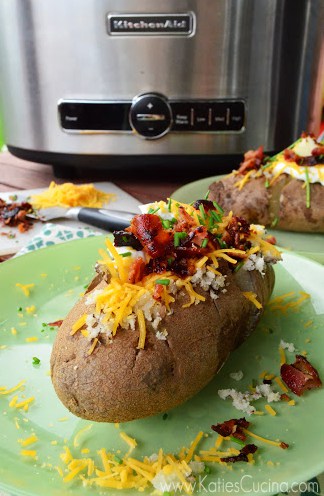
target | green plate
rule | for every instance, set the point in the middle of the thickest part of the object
(308, 245)
(59, 274)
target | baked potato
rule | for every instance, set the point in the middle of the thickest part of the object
(285, 192)
(181, 304)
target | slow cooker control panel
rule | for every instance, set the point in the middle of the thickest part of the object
(152, 115)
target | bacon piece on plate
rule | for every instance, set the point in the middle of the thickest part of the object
(242, 456)
(232, 427)
(300, 376)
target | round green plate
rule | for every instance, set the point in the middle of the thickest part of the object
(308, 245)
(59, 274)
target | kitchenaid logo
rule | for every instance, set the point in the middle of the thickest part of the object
(157, 24)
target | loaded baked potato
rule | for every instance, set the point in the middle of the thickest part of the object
(285, 192)
(178, 291)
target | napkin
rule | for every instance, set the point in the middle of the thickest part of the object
(53, 234)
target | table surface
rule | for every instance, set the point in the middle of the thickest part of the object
(147, 184)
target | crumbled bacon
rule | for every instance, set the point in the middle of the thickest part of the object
(300, 375)
(158, 291)
(233, 427)
(56, 323)
(319, 150)
(185, 221)
(242, 456)
(236, 234)
(207, 204)
(136, 271)
(148, 229)
(14, 215)
(285, 397)
(124, 238)
(252, 160)
(271, 239)
(291, 156)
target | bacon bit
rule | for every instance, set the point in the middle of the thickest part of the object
(284, 445)
(242, 456)
(285, 397)
(136, 271)
(319, 150)
(57, 323)
(149, 231)
(185, 221)
(14, 215)
(236, 234)
(300, 375)
(252, 160)
(291, 156)
(207, 204)
(271, 239)
(158, 292)
(232, 427)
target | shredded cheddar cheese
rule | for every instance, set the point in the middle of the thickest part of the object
(270, 410)
(71, 195)
(252, 297)
(29, 440)
(25, 288)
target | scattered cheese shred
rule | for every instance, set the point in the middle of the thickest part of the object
(78, 324)
(263, 439)
(29, 440)
(20, 385)
(71, 195)
(282, 355)
(129, 440)
(31, 309)
(270, 410)
(31, 339)
(281, 384)
(29, 453)
(14, 331)
(25, 288)
(92, 347)
(142, 329)
(193, 446)
(252, 297)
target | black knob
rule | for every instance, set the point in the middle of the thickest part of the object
(150, 115)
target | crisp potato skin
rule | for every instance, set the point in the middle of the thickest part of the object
(284, 201)
(119, 383)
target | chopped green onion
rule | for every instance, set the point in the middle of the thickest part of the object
(165, 416)
(44, 324)
(267, 184)
(254, 383)
(170, 260)
(222, 243)
(207, 470)
(126, 254)
(202, 211)
(201, 220)
(85, 286)
(19, 309)
(36, 361)
(166, 493)
(215, 216)
(207, 195)
(275, 222)
(169, 204)
(125, 239)
(177, 237)
(238, 266)
(307, 188)
(210, 222)
(153, 210)
(166, 223)
(118, 460)
(236, 440)
(164, 282)
(218, 207)
(204, 243)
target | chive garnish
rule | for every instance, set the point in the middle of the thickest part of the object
(207, 195)
(164, 282)
(267, 184)
(275, 222)
(204, 243)
(36, 361)
(166, 493)
(238, 266)
(218, 207)
(165, 416)
(207, 470)
(124, 238)
(166, 223)
(118, 460)
(215, 216)
(202, 211)
(126, 254)
(153, 210)
(222, 244)
(169, 204)
(19, 309)
(307, 188)
(170, 260)
(236, 440)
(177, 237)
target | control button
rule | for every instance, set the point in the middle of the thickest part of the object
(150, 115)
(236, 116)
(200, 117)
(94, 116)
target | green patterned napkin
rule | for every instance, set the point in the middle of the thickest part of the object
(53, 234)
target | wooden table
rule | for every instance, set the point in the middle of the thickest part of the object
(145, 184)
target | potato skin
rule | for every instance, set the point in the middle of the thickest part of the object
(284, 201)
(118, 383)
